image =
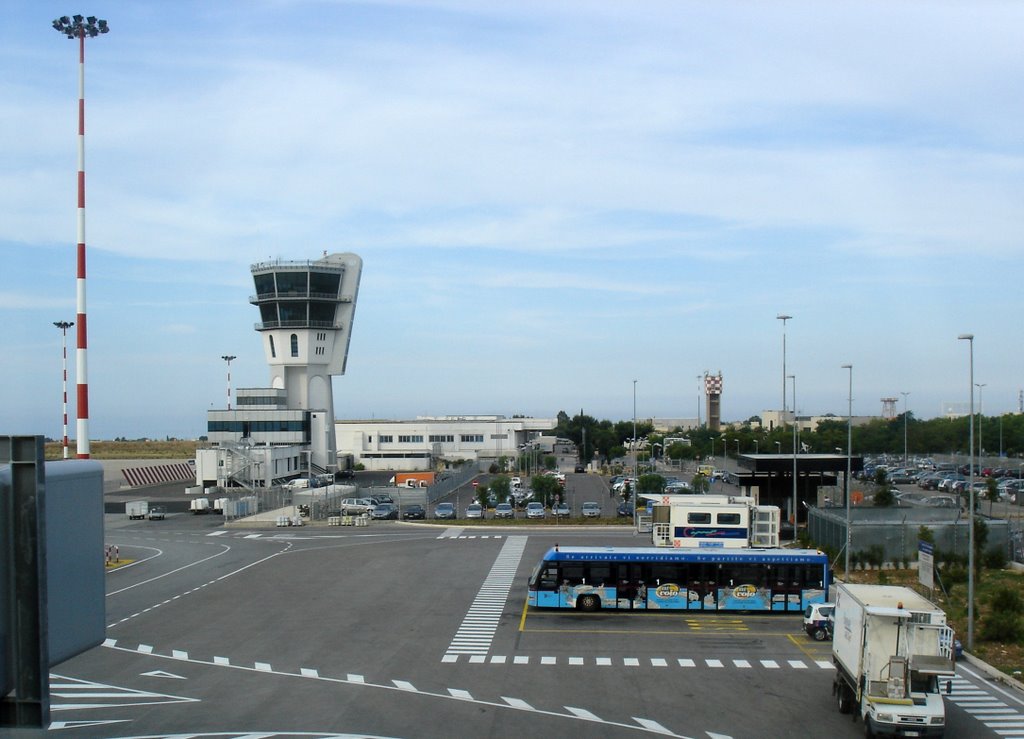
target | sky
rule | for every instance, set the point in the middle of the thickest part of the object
(552, 200)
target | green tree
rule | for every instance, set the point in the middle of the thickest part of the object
(545, 488)
(884, 497)
(481, 494)
(700, 484)
(991, 493)
(678, 450)
(652, 484)
(501, 487)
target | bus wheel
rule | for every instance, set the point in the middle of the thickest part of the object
(588, 603)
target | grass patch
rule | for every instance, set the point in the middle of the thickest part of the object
(141, 449)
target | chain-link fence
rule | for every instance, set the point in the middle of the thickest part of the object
(897, 530)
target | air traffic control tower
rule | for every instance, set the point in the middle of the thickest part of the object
(279, 432)
(306, 312)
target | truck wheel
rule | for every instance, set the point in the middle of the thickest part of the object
(845, 704)
(588, 603)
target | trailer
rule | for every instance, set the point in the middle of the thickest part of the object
(136, 509)
(891, 648)
(200, 505)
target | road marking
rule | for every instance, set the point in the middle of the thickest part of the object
(548, 660)
(462, 695)
(713, 662)
(770, 664)
(741, 663)
(262, 667)
(604, 662)
(520, 660)
(219, 533)
(575, 660)
(631, 662)
(356, 679)
(145, 649)
(161, 673)
(686, 663)
(476, 632)
(797, 664)
(450, 658)
(824, 664)
(404, 685)
(582, 713)
(651, 725)
(658, 662)
(307, 672)
(518, 703)
(177, 654)
(222, 661)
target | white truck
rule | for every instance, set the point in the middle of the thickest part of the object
(136, 509)
(891, 647)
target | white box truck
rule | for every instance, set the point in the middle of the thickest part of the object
(891, 648)
(136, 509)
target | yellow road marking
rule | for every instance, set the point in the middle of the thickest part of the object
(522, 621)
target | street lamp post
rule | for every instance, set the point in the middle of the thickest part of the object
(755, 446)
(634, 430)
(849, 454)
(699, 378)
(78, 27)
(970, 520)
(778, 447)
(737, 447)
(981, 418)
(796, 510)
(227, 358)
(64, 326)
(905, 457)
(783, 317)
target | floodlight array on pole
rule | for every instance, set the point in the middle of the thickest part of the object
(970, 518)
(227, 358)
(849, 453)
(77, 27)
(64, 326)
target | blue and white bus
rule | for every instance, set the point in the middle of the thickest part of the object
(651, 578)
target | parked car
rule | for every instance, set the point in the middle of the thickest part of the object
(157, 513)
(504, 510)
(445, 510)
(414, 512)
(818, 620)
(474, 510)
(535, 509)
(580, 468)
(382, 499)
(561, 510)
(356, 506)
(591, 509)
(384, 512)
(625, 510)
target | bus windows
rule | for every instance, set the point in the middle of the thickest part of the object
(698, 517)
(728, 519)
(548, 579)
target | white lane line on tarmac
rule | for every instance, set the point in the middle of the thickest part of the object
(507, 703)
(224, 551)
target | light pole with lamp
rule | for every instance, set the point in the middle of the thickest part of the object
(783, 317)
(778, 447)
(64, 326)
(849, 454)
(227, 358)
(796, 510)
(699, 378)
(970, 520)
(981, 418)
(905, 457)
(755, 446)
(737, 447)
(634, 431)
(78, 27)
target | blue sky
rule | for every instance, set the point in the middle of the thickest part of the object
(551, 200)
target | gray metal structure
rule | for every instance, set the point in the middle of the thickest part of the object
(52, 578)
(896, 530)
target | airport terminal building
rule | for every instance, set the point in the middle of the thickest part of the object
(431, 441)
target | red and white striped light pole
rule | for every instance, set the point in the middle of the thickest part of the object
(227, 358)
(64, 326)
(78, 27)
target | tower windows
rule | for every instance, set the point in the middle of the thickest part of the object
(273, 351)
(295, 345)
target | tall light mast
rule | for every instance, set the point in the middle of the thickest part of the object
(78, 27)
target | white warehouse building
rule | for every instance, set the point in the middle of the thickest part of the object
(430, 441)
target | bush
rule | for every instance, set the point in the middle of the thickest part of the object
(994, 559)
(1007, 600)
(1001, 626)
